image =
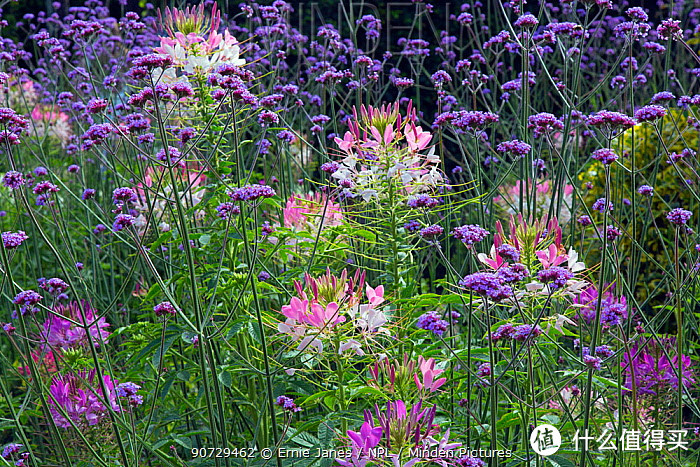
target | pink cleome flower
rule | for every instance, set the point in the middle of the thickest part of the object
(60, 334)
(306, 212)
(81, 398)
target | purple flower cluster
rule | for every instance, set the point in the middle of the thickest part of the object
(13, 179)
(612, 233)
(469, 461)
(592, 362)
(287, 403)
(124, 195)
(514, 147)
(611, 119)
(263, 276)
(252, 193)
(470, 234)
(431, 232)
(613, 309)
(604, 155)
(164, 309)
(55, 286)
(645, 190)
(225, 210)
(679, 216)
(488, 284)
(128, 390)
(422, 201)
(663, 97)
(412, 226)
(14, 448)
(509, 252)
(526, 21)
(555, 276)
(544, 123)
(473, 120)
(511, 273)
(519, 333)
(431, 321)
(650, 113)
(12, 240)
(123, 221)
(584, 220)
(27, 299)
(601, 204)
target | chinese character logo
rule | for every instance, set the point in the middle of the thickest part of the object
(545, 440)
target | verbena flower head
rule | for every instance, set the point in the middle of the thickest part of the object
(592, 362)
(129, 391)
(679, 216)
(251, 193)
(526, 21)
(650, 113)
(13, 179)
(470, 234)
(80, 397)
(123, 195)
(663, 97)
(544, 123)
(669, 29)
(525, 332)
(601, 205)
(165, 309)
(556, 277)
(487, 284)
(511, 273)
(287, 403)
(431, 321)
(604, 155)
(645, 190)
(514, 147)
(59, 333)
(27, 299)
(422, 201)
(12, 240)
(611, 121)
(123, 221)
(431, 232)
(11, 449)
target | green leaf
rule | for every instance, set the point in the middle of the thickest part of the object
(508, 420)
(368, 390)
(325, 434)
(235, 328)
(558, 461)
(254, 332)
(314, 397)
(225, 378)
(162, 350)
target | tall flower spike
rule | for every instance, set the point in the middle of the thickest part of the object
(191, 20)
